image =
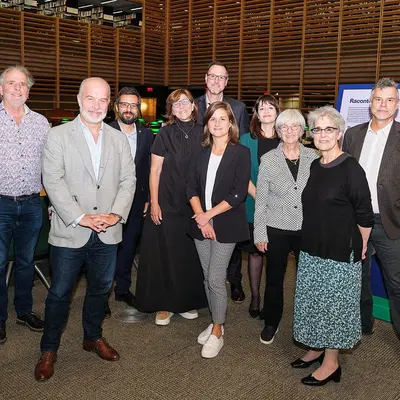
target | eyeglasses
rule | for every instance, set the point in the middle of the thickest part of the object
(126, 105)
(293, 127)
(329, 130)
(181, 103)
(217, 77)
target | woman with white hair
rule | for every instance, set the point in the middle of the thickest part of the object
(337, 221)
(283, 175)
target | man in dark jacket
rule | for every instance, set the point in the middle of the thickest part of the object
(216, 80)
(140, 140)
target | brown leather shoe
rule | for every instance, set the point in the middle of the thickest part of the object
(45, 367)
(101, 348)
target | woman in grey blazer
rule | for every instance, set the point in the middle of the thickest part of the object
(283, 174)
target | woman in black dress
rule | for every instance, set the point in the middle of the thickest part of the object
(170, 278)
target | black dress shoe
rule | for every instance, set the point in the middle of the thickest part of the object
(237, 294)
(311, 381)
(3, 334)
(128, 298)
(299, 363)
(254, 313)
(32, 321)
(367, 331)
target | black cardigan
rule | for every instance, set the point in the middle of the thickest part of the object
(231, 184)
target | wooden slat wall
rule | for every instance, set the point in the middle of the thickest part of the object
(301, 50)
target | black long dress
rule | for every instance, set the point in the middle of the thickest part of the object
(170, 277)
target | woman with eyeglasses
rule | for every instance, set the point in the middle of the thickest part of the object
(337, 221)
(169, 274)
(282, 176)
(261, 139)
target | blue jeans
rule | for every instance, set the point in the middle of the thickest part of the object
(20, 221)
(99, 259)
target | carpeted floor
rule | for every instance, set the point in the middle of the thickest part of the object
(165, 362)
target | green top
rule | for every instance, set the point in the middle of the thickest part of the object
(252, 145)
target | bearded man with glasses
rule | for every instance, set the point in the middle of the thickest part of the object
(127, 104)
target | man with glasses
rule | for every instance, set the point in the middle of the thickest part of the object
(22, 136)
(376, 144)
(127, 104)
(216, 80)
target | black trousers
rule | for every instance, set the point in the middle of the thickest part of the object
(279, 247)
(234, 272)
(127, 248)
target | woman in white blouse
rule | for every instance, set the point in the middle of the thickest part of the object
(217, 188)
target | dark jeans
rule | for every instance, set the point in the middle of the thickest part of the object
(20, 221)
(279, 247)
(388, 252)
(127, 250)
(99, 259)
(234, 273)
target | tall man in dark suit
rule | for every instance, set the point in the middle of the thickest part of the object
(140, 139)
(216, 80)
(376, 144)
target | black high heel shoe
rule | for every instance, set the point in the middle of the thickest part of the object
(299, 363)
(334, 376)
(254, 312)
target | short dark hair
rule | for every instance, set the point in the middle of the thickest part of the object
(255, 124)
(233, 134)
(128, 90)
(215, 62)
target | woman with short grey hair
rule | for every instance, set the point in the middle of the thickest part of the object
(283, 174)
(337, 221)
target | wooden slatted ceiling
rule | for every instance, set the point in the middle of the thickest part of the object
(178, 43)
(320, 53)
(40, 34)
(390, 54)
(286, 52)
(255, 45)
(10, 33)
(227, 35)
(103, 54)
(202, 40)
(130, 52)
(359, 46)
(154, 37)
(73, 60)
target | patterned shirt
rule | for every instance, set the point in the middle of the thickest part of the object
(21, 150)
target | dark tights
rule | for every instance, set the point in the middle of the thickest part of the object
(255, 267)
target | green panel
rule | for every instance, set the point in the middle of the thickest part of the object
(381, 308)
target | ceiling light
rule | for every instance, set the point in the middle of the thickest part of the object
(137, 8)
(108, 1)
(86, 6)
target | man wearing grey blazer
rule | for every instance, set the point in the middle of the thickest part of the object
(89, 176)
(376, 145)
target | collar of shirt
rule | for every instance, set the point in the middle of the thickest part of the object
(87, 130)
(27, 110)
(208, 101)
(384, 131)
(128, 134)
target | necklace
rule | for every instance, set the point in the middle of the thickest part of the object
(185, 133)
(294, 162)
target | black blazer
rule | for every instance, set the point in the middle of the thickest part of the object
(238, 108)
(388, 178)
(231, 184)
(145, 139)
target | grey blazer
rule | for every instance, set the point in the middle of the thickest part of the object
(388, 177)
(278, 195)
(73, 189)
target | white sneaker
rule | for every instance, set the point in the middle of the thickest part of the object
(203, 337)
(163, 318)
(193, 314)
(212, 347)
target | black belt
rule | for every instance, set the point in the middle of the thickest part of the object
(20, 198)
